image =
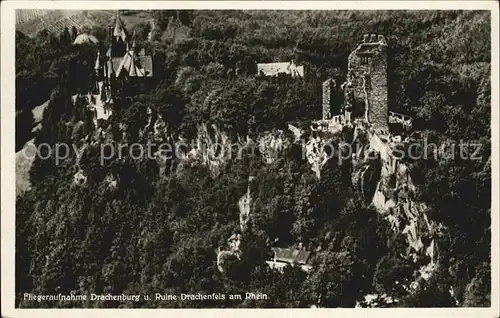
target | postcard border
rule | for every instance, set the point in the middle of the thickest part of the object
(8, 156)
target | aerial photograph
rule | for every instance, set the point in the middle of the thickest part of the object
(252, 158)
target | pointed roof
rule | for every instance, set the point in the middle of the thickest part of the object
(133, 41)
(113, 65)
(119, 30)
(135, 66)
(97, 61)
(132, 66)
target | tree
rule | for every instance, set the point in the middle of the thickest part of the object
(74, 33)
(330, 285)
(392, 275)
(477, 292)
(434, 292)
(65, 37)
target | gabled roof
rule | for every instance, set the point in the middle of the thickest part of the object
(133, 65)
(113, 65)
(291, 255)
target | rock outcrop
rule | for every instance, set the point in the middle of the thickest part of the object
(211, 148)
(80, 178)
(230, 254)
(385, 181)
(271, 145)
(245, 206)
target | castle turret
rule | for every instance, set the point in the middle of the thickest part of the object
(133, 42)
(118, 38)
(109, 51)
(97, 61)
(98, 67)
(133, 67)
(98, 76)
(119, 30)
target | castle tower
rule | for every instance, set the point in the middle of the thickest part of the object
(367, 72)
(118, 38)
(132, 58)
(98, 67)
(119, 30)
(133, 41)
(98, 75)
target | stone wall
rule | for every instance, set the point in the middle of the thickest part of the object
(355, 77)
(377, 112)
(405, 121)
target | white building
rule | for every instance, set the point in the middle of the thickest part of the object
(289, 257)
(273, 69)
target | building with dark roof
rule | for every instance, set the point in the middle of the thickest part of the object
(290, 257)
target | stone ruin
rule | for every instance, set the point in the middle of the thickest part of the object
(365, 91)
(367, 73)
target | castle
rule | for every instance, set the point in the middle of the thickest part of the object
(117, 70)
(365, 89)
(120, 66)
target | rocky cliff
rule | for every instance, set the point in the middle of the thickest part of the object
(377, 177)
(385, 181)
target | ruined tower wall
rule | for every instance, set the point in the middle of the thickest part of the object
(356, 72)
(378, 112)
(367, 72)
(328, 99)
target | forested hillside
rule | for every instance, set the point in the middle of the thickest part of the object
(154, 227)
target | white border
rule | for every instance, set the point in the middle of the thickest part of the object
(8, 157)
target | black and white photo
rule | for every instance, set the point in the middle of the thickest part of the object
(182, 157)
